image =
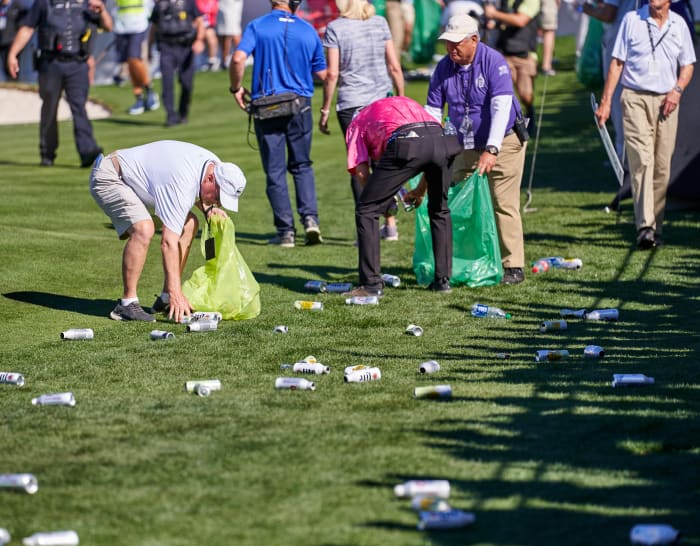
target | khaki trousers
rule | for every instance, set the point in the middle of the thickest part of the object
(397, 24)
(504, 183)
(649, 141)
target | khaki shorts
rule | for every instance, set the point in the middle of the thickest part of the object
(549, 15)
(228, 18)
(115, 198)
(523, 71)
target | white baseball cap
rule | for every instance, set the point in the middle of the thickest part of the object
(459, 27)
(231, 183)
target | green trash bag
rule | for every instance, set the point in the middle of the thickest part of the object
(589, 65)
(225, 283)
(476, 254)
(379, 6)
(425, 30)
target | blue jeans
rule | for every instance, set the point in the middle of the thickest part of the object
(277, 139)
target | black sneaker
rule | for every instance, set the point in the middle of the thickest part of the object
(312, 233)
(442, 286)
(513, 275)
(159, 306)
(645, 238)
(363, 292)
(133, 311)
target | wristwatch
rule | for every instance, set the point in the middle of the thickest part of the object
(491, 149)
(678, 88)
(234, 91)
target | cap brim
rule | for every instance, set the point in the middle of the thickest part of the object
(229, 203)
(451, 37)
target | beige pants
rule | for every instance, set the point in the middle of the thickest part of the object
(504, 182)
(649, 141)
(397, 24)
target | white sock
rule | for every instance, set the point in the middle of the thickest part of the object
(128, 301)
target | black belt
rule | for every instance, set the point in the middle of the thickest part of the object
(405, 129)
(63, 57)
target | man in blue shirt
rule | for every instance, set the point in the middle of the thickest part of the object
(288, 54)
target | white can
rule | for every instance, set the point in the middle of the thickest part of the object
(280, 329)
(452, 519)
(571, 263)
(56, 399)
(26, 482)
(311, 367)
(631, 380)
(593, 351)
(203, 387)
(362, 300)
(548, 325)
(202, 315)
(391, 280)
(12, 378)
(430, 488)
(203, 326)
(78, 333)
(414, 330)
(305, 305)
(363, 375)
(295, 384)
(161, 334)
(603, 314)
(55, 538)
(435, 391)
(653, 534)
(431, 366)
(551, 356)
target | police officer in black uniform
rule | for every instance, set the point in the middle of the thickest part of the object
(11, 12)
(178, 29)
(65, 29)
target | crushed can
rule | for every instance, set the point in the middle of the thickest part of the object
(549, 325)
(198, 316)
(295, 384)
(56, 399)
(452, 519)
(540, 266)
(414, 330)
(654, 534)
(551, 356)
(311, 367)
(203, 387)
(572, 313)
(203, 326)
(391, 280)
(161, 334)
(26, 482)
(436, 391)
(55, 538)
(12, 378)
(603, 314)
(631, 380)
(338, 287)
(315, 286)
(431, 366)
(593, 351)
(75, 334)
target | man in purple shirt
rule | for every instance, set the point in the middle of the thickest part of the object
(475, 82)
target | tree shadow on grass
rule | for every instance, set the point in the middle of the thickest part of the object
(84, 306)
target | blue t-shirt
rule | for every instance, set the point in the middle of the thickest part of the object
(287, 53)
(473, 86)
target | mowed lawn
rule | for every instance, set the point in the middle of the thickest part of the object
(544, 454)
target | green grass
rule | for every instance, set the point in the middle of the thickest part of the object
(544, 454)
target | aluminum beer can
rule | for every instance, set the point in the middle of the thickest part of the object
(203, 387)
(391, 280)
(431, 366)
(414, 330)
(451, 519)
(571, 263)
(631, 380)
(550, 356)
(603, 314)
(315, 286)
(549, 325)
(362, 300)
(78, 333)
(571, 313)
(202, 315)
(202, 326)
(55, 538)
(503, 356)
(27, 482)
(338, 287)
(593, 351)
(309, 305)
(653, 534)
(280, 329)
(436, 391)
(311, 367)
(12, 378)
(56, 399)
(161, 334)
(362, 374)
(295, 384)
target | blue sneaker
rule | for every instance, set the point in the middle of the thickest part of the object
(152, 102)
(138, 108)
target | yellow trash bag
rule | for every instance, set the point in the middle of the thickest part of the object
(225, 283)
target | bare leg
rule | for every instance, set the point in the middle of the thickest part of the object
(134, 256)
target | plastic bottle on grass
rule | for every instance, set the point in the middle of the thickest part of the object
(449, 128)
(55, 538)
(433, 488)
(480, 310)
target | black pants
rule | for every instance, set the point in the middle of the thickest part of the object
(430, 153)
(178, 58)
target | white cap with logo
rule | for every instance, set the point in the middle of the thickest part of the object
(459, 27)
(231, 183)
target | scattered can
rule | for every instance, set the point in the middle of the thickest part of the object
(311, 367)
(280, 329)
(203, 326)
(202, 315)
(549, 325)
(430, 488)
(203, 387)
(414, 330)
(431, 366)
(362, 374)
(503, 356)
(338, 287)
(161, 334)
(75, 334)
(603, 314)
(310, 358)
(593, 351)
(391, 280)
(12, 378)
(309, 305)
(654, 534)
(631, 380)
(429, 503)
(452, 519)
(571, 263)
(4, 536)
(540, 266)
(55, 399)
(315, 286)
(55, 538)
(362, 300)
(571, 313)
(436, 391)
(27, 482)
(550, 356)
(295, 384)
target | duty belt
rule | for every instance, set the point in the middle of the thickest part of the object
(405, 129)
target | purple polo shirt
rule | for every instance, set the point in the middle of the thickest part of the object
(488, 76)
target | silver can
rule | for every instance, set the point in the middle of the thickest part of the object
(27, 482)
(549, 325)
(391, 280)
(55, 538)
(338, 287)
(315, 286)
(550, 356)
(363, 374)
(12, 378)
(311, 367)
(435, 391)
(603, 314)
(414, 330)
(78, 333)
(55, 399)
(203, 326)
(431, 366)
(654, 534)
(203, 387)
(161, 334)
(593, 351)
(202, 315)
(631, 380)
(573, 313)
(503, 356)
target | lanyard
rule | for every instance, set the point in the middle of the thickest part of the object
(651, 40)
(466, 88)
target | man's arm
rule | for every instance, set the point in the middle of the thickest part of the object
(198, 44)
(170, 248)
(394, 66)
(673, 97)
(603, 112)
(511, 19)
(329, 85)
(601, 11)
(24, 34)
(236, 70)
